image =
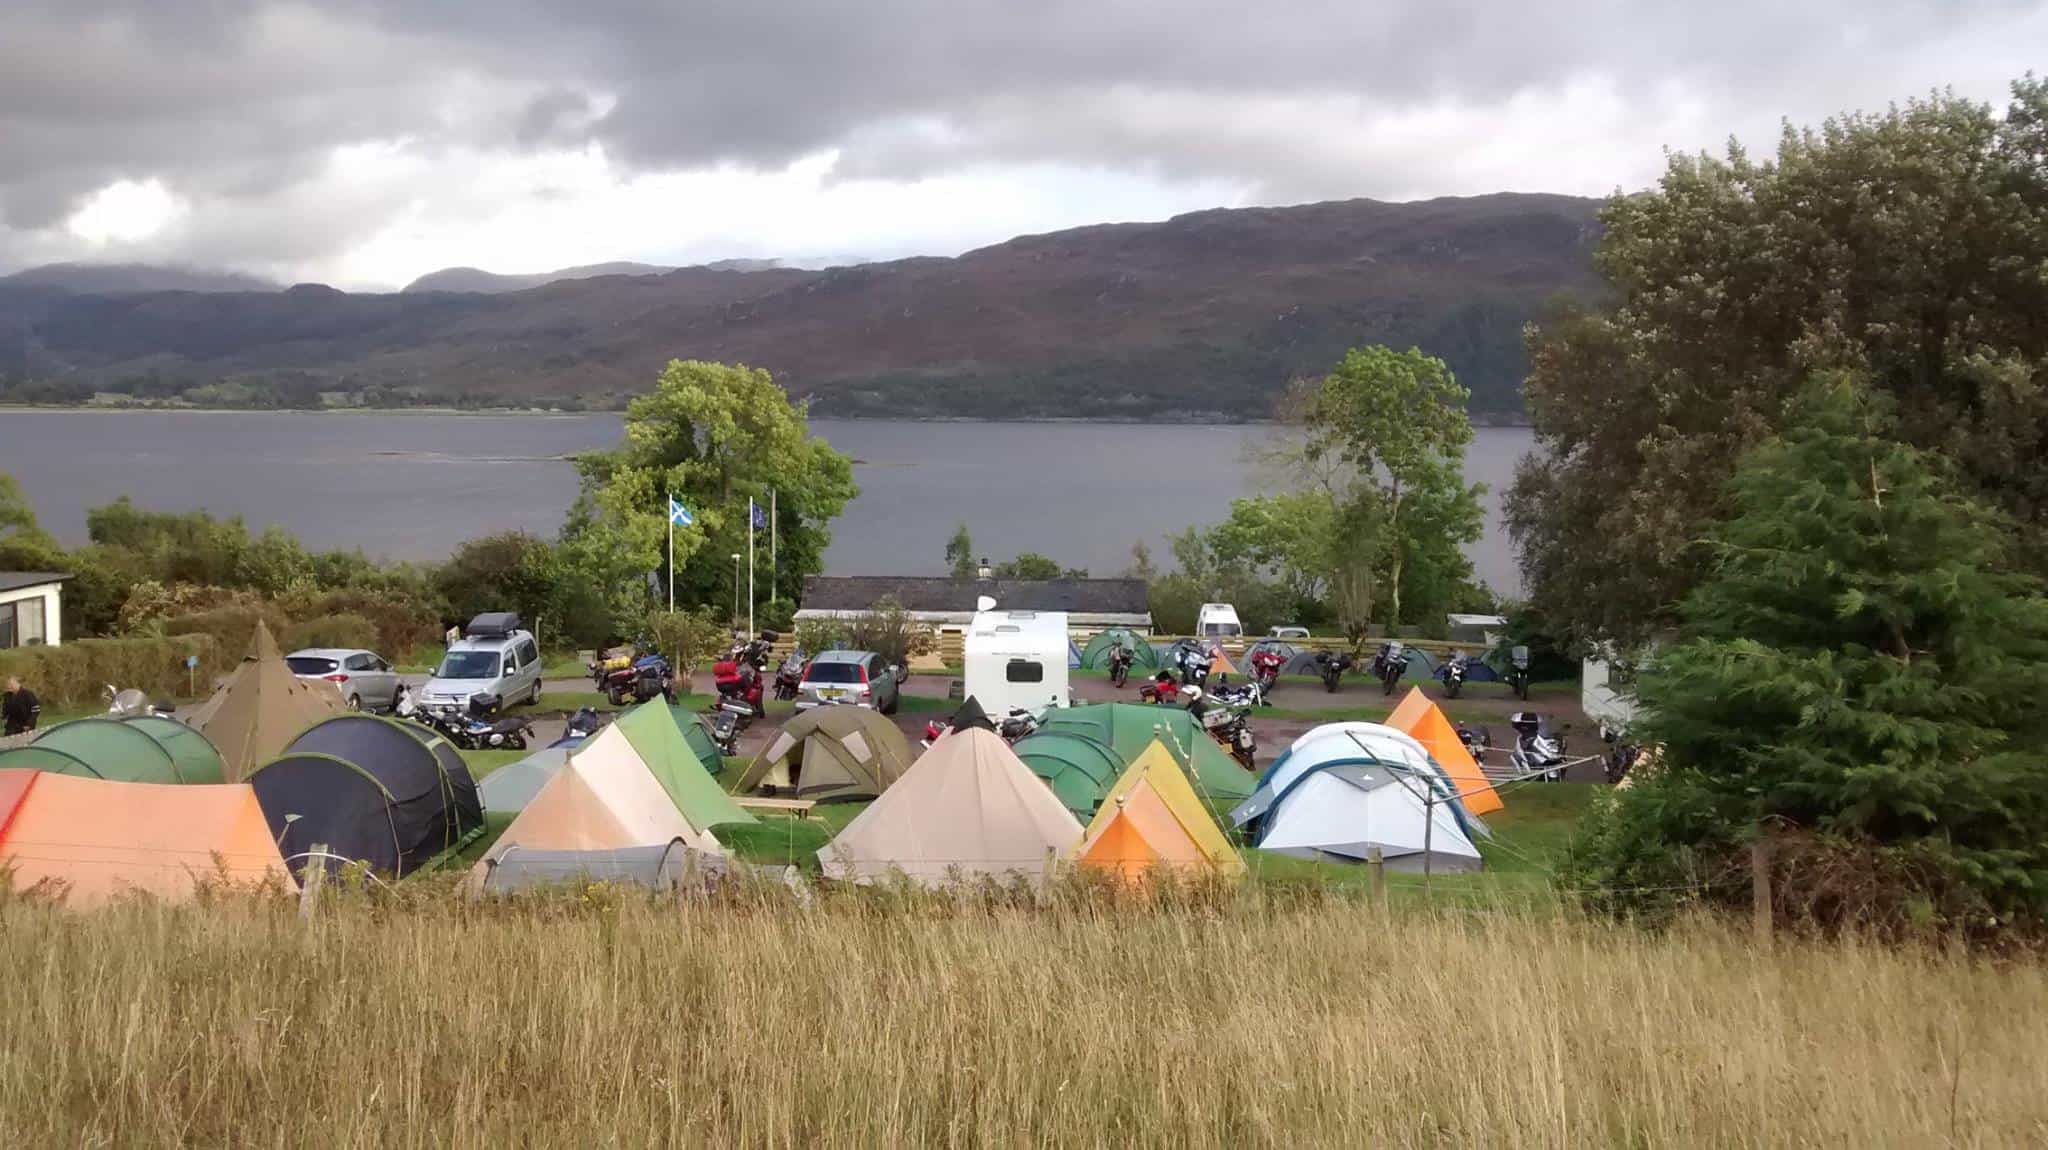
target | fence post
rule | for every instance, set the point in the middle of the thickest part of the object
(313, 879)
(1376, 866)
(1760, 889)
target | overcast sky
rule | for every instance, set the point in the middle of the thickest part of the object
(364, 142)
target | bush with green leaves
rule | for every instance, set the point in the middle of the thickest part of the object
(1859, 677)
(344, 631)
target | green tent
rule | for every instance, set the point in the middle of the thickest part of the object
(197, 761)
(112, 749)
(33, 758)
(1129, 728)
(1079, 768)
(661, 745)
(1095, 656)
(697, 733)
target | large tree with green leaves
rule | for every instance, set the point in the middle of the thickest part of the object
(1859, 666)
(1906, 246)
(712, 436)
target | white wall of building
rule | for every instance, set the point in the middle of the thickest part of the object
(47, 597)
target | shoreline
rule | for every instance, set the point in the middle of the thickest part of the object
(1164, 419)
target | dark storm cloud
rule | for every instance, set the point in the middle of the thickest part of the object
(241, 100)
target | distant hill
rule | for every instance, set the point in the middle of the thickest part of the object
(128, 279)
(1206, 315)
(479, 280)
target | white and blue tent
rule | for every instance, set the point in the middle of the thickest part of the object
(1344, 789)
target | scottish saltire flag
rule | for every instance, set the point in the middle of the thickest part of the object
(679, 514)
(760, 516)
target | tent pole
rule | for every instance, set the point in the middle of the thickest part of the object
(1428, 836)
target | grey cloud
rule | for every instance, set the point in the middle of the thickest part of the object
(240, 100)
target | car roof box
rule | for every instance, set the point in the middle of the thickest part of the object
(492, 625)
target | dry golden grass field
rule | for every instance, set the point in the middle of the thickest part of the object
(1262, 1017)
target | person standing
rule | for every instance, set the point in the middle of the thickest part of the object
(19, 708)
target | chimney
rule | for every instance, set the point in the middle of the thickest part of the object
(984, 572)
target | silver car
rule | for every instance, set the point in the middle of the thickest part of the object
(365, 680)
(858, 678)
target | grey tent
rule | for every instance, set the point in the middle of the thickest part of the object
(1095, 656)
(508, 789)
(660, 866)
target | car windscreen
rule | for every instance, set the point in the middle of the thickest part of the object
(310, 665)
(835, 673)
(468, 665)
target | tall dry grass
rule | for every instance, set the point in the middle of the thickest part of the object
(877, 1022)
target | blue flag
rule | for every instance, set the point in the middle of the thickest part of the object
(760, 516)
(679, 514)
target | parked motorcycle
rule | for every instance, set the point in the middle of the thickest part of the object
(585, 722)
(1227, 720)
(1478, 741)
(1538, 750)
(1018, 724)
(1452, 672)
(1266, 664)
(789, 676)
(130, 702)
(473, 729)
(729, 720)
(1119, 665)
(624, 674)
(739, 679)
(1331, 665)
(1389, 664)
(1163, 690)
(1518, 672)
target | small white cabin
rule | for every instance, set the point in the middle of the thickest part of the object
(1218, 621)
(1017, 659)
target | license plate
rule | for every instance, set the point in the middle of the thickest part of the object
(831, 694)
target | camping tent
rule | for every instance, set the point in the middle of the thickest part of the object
(101, 838)
(604, 798)
(967, 809)
(1095, 656)
(830, 753)
(1424, 720)
(1346, 808)
(105, 748)
(1128, 728)
(1340, 742)
(1153, 818)
(1078, 767)
(662, 866)
(1073, 655)
(261, 707)
(509, 788)
(387, 794)
(651, 729)
(697, 733)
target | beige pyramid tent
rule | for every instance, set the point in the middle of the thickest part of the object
(830, 753)
(603, 799)
(261, 708)
(1153, 818)
(968, 808)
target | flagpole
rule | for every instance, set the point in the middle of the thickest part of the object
(671, 509)
(774, 559)
(750, 567)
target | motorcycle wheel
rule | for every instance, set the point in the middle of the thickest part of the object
(616, 694)
(1455, 686)
(1387, 683)
(1117, 678)
(1330, 683)
(1522, 689)
(515, 742)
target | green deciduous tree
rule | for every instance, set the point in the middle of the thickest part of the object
(713, 436)
(1858, 665)
(960, 559)
(1906, 246)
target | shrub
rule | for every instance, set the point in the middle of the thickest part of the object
(687, 638)
(332, 631)
(76, 673)
(777, 615)
(230, 627)
(398, 621)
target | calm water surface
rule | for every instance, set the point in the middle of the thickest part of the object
(412, 486)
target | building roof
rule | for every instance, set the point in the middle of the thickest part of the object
(920, 594)
(16, 580)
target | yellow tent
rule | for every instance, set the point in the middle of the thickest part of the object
(1424, 721)
(1152, 817)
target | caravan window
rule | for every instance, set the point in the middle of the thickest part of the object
(1212, 630)
(1024, 671)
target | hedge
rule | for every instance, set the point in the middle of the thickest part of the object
(78, 673)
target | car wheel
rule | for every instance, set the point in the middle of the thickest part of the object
(355, 702)
(895, 701)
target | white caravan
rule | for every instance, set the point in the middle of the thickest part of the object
(1016, 659)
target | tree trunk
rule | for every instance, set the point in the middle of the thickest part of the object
(1394, 575)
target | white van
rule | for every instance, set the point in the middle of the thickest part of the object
(1017, 659)
(1218, 621)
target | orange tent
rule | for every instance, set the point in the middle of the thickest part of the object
(1152, 818)
(97, 839)
(1424, 721)
(1219, 664)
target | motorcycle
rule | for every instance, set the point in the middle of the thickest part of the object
(789, 676)
(1452, 672)
(1119, 665)
(1266, 664)
(130, 702)
(1226, 720)
(729, 720)
(1389, 664)
(1538, 750)
(1331, 665)
(639, 677)
(739, 681)
(1163, 690)
(1477, 741)
(1518, 672)
(1018, 724)
(473, 729)
(585, 722)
